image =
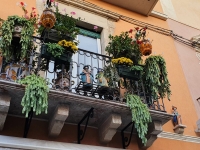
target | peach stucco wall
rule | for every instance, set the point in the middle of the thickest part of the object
(39, 130)
(163, 45)
(9, 7)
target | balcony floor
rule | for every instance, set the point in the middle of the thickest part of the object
(78, 106)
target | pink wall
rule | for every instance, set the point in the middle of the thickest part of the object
(189, 62)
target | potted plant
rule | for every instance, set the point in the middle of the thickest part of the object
(59, 52)
(126, 69)
(64, 27)
(155, 77)
(140, 115)
(141, 42)
(17, 34)
(122, 46)
(36, 95)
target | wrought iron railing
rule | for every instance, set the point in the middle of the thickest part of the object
(69, 79)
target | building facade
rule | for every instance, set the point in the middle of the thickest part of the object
(63, 126)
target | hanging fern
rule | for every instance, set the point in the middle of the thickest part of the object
(155, 77)
(35, 94)
(25, 40)
(140, 115)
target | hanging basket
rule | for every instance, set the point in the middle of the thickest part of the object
(63, 59)
(17, 31)
(48, 18)
(146, 48)
(125, 72)
(53, 36)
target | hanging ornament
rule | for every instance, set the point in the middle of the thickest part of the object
(48, 18)
(146, 48)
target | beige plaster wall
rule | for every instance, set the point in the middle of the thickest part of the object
(184, 11)
(189, 61)
(107, 25)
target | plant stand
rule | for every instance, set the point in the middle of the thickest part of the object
(106, 92)
(53, 36)
(125, 72)
(63, 59)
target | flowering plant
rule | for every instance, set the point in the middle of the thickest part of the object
(71, 44)
(32, 17)
(122, 61)
(122, 46)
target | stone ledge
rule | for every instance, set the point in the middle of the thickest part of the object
(25, 143)
(180, 137)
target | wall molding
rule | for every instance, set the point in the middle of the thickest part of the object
(174, 136)
(89, 7)
(33, 144)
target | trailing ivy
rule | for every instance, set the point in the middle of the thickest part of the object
(140, 115)
(155, 77)
(25, 40)
(136, 67)
(35, 94)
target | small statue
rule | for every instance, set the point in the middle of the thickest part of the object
(101, 80)
(176, 118)
(62, 80)
(86, 76)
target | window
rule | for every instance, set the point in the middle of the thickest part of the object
(88, 42)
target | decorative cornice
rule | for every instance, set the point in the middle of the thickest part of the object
(159, 15)
(89, 7)
(174, 136)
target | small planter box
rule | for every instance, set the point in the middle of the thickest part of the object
(63, 59)
(125, 72)
(52, 36)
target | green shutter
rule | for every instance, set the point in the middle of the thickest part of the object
(90, 33)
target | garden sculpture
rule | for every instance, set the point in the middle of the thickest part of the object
(101, 80)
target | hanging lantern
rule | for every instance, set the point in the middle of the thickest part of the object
(48, 18)
(146, 48)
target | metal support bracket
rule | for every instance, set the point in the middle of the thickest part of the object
(125, 140)
(28, 123)
(81, 133)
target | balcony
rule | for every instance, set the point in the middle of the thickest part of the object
(67, 91)
(143, 7)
